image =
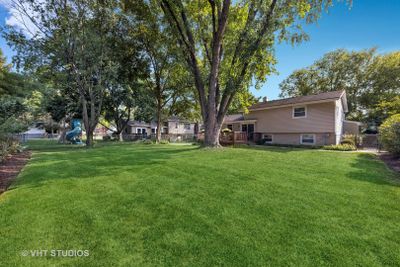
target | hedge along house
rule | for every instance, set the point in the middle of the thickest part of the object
(308, 120)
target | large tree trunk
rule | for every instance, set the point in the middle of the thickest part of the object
(212, 131)
(88, 122)
(159, 122)
(89, 138)
(63, 133)
(158, 131)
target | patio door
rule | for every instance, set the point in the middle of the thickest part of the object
(249, 129)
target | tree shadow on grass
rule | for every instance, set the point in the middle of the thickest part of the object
(371, 169)
(52, 163)
(53, 145)
(278, 149)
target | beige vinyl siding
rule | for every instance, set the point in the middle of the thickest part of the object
(294, 139)
(320, 118)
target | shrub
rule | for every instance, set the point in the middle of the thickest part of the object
(342, 147)
(147, 142)
(164, 142)
(261, 141)
(348, 142)
(390, 134)
(351, 139)
(8, 146)
(198, 142)
(226, 130)
(106, 138)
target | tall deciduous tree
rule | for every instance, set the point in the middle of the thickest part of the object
(367, 77)
(229, 44)
(124, 87)
(70, 39)
(167, 80)
(19, 100)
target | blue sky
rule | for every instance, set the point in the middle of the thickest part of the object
(367, 24)
(3, 45)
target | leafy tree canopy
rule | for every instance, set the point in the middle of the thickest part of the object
(367, 77)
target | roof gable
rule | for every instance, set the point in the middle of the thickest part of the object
(323, 97)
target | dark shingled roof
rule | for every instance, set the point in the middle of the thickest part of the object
(233, 118)
(334, 95)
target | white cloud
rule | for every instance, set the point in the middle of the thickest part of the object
(16, 17)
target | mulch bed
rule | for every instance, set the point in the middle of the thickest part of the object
(10, 168)
(391, 161)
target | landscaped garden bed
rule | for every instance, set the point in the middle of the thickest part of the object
(10, 168)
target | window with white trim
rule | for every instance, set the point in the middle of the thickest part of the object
(187, 126)
(268, 138)
(299, 112)
(307, 139)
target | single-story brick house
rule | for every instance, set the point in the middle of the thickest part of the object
(309, 120)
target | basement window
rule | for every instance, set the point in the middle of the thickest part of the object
(307, 139)
(268, 138)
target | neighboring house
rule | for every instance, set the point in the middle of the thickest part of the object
(100, 130)
(172, 126)
(309, 120)
(140, 127)
(175, 125)
(35, 132)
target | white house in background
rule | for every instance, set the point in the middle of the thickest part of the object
(172, 126)
(36, 131)
(141, 127)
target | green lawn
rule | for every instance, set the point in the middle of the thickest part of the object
(178, 205)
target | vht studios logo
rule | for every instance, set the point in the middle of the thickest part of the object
(55, 253)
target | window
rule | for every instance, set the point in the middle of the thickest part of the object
(267, 138)
(187, 126)
(299, 112)
(139, 131)
(176, 125)
(230, 127)
(244, 128)
(153, 130)
(307, 139)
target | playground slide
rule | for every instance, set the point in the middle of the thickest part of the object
(73, 135)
